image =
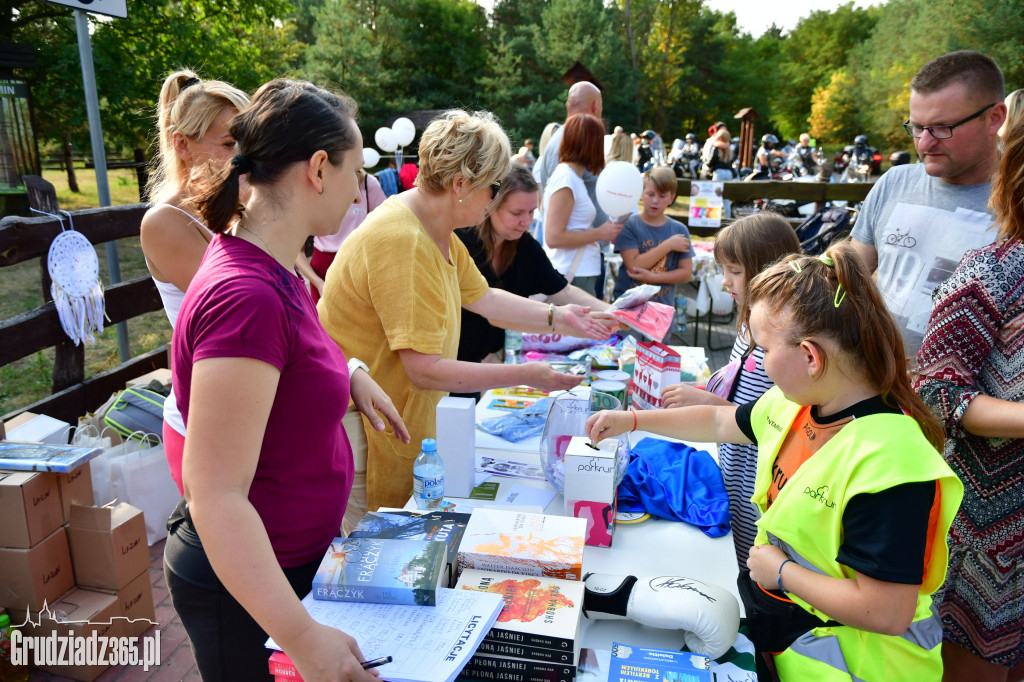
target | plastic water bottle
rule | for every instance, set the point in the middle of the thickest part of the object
(513, 346)
(428, 476)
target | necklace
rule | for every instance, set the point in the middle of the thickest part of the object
(265, 245)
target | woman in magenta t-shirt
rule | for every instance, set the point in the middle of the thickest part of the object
(267, 467)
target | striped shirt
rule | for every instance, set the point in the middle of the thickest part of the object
(739, 462)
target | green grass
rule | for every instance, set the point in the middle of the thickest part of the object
(122, 183)
(29, 379)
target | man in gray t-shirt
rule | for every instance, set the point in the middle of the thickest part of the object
(918, 220)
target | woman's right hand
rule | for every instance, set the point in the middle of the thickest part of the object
(607, 232)
(541, 375)
(325, 654)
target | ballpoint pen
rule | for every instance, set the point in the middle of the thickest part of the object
(376, 662)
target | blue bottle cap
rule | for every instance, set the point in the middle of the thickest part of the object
(429, 445)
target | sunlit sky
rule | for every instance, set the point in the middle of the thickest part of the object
(756, 16)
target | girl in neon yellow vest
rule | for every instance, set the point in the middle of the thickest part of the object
(855, 498)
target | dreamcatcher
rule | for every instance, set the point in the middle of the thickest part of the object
(76, 288)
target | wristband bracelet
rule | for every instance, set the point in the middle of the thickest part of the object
(551, 315)
(634, 420)
(778, 581)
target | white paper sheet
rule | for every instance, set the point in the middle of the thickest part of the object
(520, 494)
(426, 643)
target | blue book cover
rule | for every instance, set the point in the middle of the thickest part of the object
(643, 664)
(381, 571)
(439, 526)
(16, 456)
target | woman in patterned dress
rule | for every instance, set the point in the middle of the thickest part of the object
(971, 373)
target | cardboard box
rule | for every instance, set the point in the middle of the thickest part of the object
(75, 488)
(135, 605)
(31, 577)
(456, 443)
(163, 375)
(590, 487)
(78, 613)
(30, 508)
(29, 427)
(108, 545)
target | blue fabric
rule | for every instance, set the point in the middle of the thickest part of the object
(674, 481)
(388, 179)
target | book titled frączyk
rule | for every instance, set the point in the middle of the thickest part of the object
(380, 571)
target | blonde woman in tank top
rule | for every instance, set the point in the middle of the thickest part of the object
(192, 124)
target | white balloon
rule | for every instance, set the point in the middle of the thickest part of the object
(619, 188)
(371, 157)
(405, 131)
(385, 139)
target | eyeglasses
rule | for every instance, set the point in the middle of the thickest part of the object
(494, 189)
(942, 132)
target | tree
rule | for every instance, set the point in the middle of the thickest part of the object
(394, 56)
(834, 110)
(589, 32)
(814, 51)
(240, 41)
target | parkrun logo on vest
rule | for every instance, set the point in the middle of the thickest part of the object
(819, 495)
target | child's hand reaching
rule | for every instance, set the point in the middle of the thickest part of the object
(608, 424)
(683, 395)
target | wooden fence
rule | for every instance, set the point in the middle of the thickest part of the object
(739, 192)
(23, 239)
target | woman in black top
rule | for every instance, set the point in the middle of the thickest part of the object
(511, 259)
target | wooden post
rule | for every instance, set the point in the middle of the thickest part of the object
(141, 173)
(746, 117)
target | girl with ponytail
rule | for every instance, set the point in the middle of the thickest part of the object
(855, 498)
(193, 139)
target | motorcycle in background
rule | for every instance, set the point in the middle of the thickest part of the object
(804, 161)
(684, 159)
(860, 161)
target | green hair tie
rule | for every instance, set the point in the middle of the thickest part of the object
(827, 260)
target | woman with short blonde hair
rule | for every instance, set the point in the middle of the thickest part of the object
(393, 297)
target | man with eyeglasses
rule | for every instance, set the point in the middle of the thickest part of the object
(919, 219)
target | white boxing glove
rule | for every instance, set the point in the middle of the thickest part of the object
(709, 615)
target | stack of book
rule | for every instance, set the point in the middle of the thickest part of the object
(535, 636)
(408, 525)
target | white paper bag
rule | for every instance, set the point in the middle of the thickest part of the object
(142, 478)
(657, 367)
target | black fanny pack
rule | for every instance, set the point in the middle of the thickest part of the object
(773, 621)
